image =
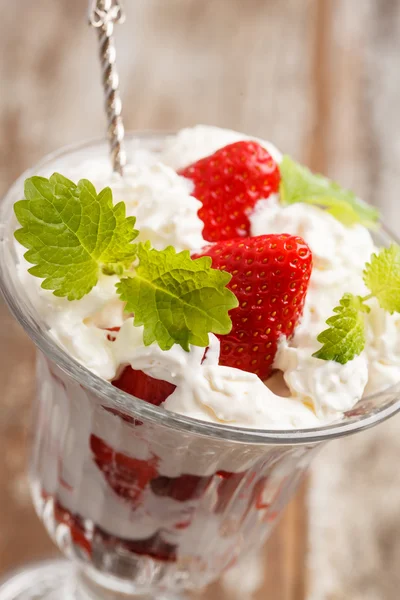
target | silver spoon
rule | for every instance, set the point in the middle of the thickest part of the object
(103, 15)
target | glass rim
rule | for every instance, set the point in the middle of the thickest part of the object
(157, 414)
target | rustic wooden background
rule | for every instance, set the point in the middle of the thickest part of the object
(318, 77)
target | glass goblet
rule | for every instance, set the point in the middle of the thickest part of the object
(145, 503)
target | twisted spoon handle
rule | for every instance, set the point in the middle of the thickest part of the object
(103, 14)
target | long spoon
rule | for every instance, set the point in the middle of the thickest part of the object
(103, 15)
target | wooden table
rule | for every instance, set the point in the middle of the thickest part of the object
(317, 77)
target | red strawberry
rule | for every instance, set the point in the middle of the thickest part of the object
(270, 275)
(79, 535)
(229, 183)
(127, 476)
(82, 536)
(137, 383)
(185, 487)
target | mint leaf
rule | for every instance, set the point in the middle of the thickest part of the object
(345, 337)
(72, 233)
(299, 184)
(178, 300)
(382, 277)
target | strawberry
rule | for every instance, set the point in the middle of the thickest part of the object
(229, 183)
(79, 535)
(137, 383)
(185, 487)
(154, 546)
(270, 275)
(127, 476)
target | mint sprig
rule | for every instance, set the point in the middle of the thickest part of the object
(345, 337)
(382, 277)
(178, 300)
(299, 184)
(72, 233)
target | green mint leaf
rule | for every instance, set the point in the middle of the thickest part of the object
(382, 277)
(345, 337)
(178, 300)
(299, 184)
(72, 233)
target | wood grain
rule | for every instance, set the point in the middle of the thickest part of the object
(257, 66)
(354, 525)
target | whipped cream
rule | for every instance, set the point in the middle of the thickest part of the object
(382, 348)
(328, 387)
(166, 213)
(310, 391)
(225, 396)
(191, 144)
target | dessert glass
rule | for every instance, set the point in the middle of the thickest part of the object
(144, 502)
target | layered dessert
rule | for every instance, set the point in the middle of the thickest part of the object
(216, 279)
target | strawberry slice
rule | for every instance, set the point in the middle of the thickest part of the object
(127, 476)
(138, 384)
(154, 546)
(76, 524)
(147, 388)
(270, 275)
(185, 487)
(229, 183)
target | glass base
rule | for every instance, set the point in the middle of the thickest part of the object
(59, 580)
(39, 581)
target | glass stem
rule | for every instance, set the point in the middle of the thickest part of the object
(88, 587)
